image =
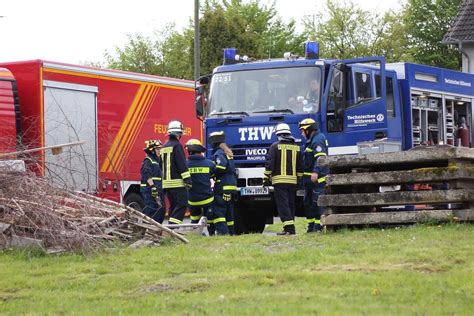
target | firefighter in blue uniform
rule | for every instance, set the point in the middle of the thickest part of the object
(176, 177)
(150, 185)
(200, 196)
(314, 178)
(226, 180)
(283, 167)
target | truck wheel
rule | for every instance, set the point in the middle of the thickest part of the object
(256, 221)
(134, 200)
(239, 223)
(248, 220)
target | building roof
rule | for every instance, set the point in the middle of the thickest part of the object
(462, 29)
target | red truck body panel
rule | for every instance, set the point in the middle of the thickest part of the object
(129, 109)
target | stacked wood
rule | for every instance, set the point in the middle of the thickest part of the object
(435, 183)
(33, 212)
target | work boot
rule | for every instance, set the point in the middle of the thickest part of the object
(310, 228)
(287, 230)
(318, 228)
(221, 228)
(211, 229)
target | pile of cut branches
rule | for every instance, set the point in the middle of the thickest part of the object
(33, 212)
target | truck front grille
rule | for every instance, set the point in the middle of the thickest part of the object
(250, 153)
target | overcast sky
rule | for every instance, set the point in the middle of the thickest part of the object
(81, 31)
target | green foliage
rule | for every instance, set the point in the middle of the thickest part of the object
(344, 31)
(347, 31)
(427, 21)
(139, 55)
(167, 54)
(177, 51)
(391, 40)
(254, 29)
(418, 270)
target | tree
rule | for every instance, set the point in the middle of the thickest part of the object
(347, 31)
(391, 39)
(138, 55)
(254, 29)
(427, 21)
(177, 54)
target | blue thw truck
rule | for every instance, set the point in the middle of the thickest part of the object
(354, 101)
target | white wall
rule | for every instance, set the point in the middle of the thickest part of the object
(468, 49)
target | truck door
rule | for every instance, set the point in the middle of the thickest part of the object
(70, 116)
(353, 112)
(393, 105)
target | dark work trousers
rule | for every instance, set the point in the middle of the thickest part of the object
(224, 209)
(313, 211)
(309, 207)
(285, 201)
(229, 216)
(214, 217)
(178, 198)
(197, 212)
(151, 208)
(319, 189)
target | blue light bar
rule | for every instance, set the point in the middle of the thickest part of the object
(229, 56)
(311, 50)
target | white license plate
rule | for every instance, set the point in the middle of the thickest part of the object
(254, 191)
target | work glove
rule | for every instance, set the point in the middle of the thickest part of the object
(188, 184)
(266, 181)
(227, 197)
(154, 192)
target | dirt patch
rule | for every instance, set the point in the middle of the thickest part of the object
(196, 287)
(278, 247)
(424, 268)
(158, 288)
(9, 294)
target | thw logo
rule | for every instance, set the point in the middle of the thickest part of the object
(256, 133)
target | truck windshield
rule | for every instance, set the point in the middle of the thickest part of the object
(263, 91)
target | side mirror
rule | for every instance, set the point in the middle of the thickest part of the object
(204, 80)
(199, 103)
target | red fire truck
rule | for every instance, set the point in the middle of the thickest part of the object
(46, 103)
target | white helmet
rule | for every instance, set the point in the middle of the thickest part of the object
(282, 129)
(175, 127)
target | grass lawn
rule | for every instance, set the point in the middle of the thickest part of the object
(421, 270)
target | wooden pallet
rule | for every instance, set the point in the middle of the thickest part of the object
(398, 217)
(381, 188)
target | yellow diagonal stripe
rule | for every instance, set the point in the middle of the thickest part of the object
(109, 162)
(133, 125)
(147, 108)
(138, 124)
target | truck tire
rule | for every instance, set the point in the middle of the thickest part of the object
(248, 220)
(257, 225)
(134, 200)
(239, 225)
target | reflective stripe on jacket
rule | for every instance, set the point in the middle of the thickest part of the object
(174, 164)
(284, 162)
(226, 180)
(151, 169)
(315, 147)
(201, 170)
